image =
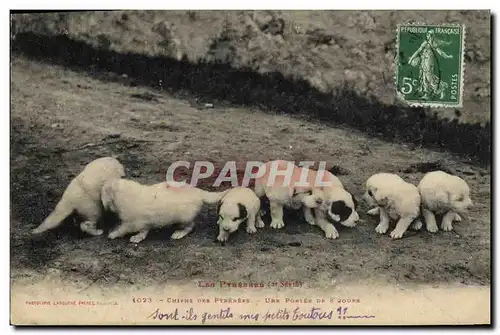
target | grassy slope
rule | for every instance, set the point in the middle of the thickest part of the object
(329, 49)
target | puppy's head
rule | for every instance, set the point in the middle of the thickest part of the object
(231, 215)
(341, 207)
(337, 202)
(462, 203)
(460, 199)
(376, 189)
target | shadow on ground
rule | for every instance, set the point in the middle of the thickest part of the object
(271, 92)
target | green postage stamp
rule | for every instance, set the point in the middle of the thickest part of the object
(429, 64)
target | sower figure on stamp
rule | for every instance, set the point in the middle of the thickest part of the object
(429, 83)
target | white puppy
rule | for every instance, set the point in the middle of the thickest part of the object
(443, 193)
(238, 205)
(83, 196)
(321, 191)
(145, 207)
(395, 199)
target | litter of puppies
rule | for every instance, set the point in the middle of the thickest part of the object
(318, 194)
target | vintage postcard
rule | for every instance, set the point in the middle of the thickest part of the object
(250, 168)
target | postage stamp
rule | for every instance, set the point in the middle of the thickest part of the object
(429, 64)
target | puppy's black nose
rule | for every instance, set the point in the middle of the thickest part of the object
(319, 201)
(226, 229)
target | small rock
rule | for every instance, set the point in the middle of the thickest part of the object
(320, 37)
(114, 135)
(274, 27)
(56, 125)
(209, 105)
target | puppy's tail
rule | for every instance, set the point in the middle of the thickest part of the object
(259, 190)
(63, 210)
(212, 197)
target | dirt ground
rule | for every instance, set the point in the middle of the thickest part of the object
(61, 120)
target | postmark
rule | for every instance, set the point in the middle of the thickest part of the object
(429, 64)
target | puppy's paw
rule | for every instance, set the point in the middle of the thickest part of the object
(396, 233)
(37, 231)
(382, 228)
(251, 229)
(222, 237)
(89, 227)
(417, 225)
(277, 224)
(136, 239)
(112, 235)
(446, 226)
(457, 218)
(260, 223)
(373, 211)
(178, 234)
(95, 232)
(331, 232)
(432, 228)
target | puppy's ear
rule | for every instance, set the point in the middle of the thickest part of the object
(379, 197)
(243, 211)
(340, 211)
